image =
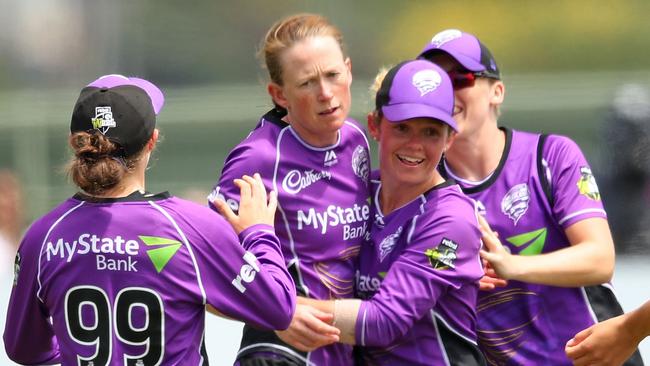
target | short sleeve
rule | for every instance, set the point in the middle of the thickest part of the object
(575, 192)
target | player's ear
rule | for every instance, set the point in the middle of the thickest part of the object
(498, 92)
(373, 124)
(153, 140)
(277, 94)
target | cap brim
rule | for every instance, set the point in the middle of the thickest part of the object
(404, 111)
(113, 80)
(466, 61)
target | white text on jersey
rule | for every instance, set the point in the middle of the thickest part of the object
(246, 272)
(334, 216)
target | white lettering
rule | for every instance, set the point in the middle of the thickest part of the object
(55, 250)
(87, 243)
(246, 272)
(295, 181)
(126, 265)
(333, 216)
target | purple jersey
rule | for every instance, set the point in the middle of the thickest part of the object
(322, 212)
(419, 274)
(126, 281)
(523, 323)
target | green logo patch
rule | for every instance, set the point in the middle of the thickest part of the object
(443, 256)
(533, 240)
(160, 256)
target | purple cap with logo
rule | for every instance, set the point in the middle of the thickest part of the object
(122, 108)
(416, 88)
(464, 48)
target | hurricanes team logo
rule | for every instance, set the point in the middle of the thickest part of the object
(587, 184)
(361, 163)
(103, 119)
(515, 203)
(426, 81)
(388, 244)
(445, 36)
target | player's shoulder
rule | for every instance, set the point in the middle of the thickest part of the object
(354, 129)
(42, 225)
(190, 210)
(447, 203)
(559, 148)
(259, 147)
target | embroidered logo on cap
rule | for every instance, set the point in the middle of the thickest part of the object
(445, 36)
(426, 81)
(103, 119)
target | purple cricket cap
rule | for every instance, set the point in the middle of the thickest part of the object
(416, 88)
(464, 48)
(122, 108)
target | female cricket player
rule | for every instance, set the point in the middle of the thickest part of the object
(554, 246)
(419, 269)
(317, 160)
(118, 276)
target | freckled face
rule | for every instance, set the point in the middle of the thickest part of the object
(316, 89)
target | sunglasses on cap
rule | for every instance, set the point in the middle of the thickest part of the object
(465, 79)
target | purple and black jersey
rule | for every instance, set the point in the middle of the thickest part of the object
(524, 323)
(126, 281)
(322, 215)
(418, 274)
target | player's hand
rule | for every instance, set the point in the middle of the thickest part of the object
(254, 205)
(501, 264)
(490, 279)
(309, 329)
(607, 343)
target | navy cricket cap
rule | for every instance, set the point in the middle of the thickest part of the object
(464, 48)
(122, 108)
(416, 88)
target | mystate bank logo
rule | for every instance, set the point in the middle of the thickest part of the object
(295, 181)
(114, 253)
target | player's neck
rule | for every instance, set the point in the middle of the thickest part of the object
(476, 156)
(395, 194)
(132, 181)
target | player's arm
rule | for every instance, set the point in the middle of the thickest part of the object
(247, 275)
(410, 288)
(28, 335)
(247, 158)
(589, 260)
(419, 277)
(612, 341)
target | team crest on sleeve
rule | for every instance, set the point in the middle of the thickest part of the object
(587, 184)
(388, 244)
(361, 162)
(445, 36)
(103, 119)
(444, 255)
(426, 81)
(16, 268)
(515, 202)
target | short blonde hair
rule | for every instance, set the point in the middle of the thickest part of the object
(289, 31)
